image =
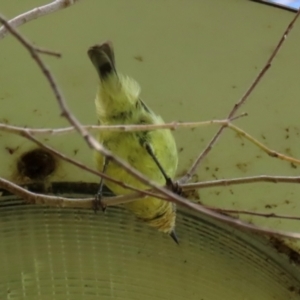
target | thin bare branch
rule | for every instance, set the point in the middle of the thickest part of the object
(213, 183)
(237, 181)
(269, 151)
(257, 214)
(48, 52)
(127, 128)
(56, 201)
(260, 75)
(36, 13)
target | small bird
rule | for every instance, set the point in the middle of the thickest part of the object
(153, 152)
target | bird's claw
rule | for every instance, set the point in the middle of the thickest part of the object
(174, 186)
(97, 204)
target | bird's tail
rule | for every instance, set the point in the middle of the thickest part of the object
(103, 58)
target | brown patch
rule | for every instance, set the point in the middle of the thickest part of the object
(139, 58)
(294, 290)
(269, 206)
(293, 165)
(11, 150)
(214, 176)
(242, 166)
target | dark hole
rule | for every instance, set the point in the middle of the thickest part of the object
(36, 164)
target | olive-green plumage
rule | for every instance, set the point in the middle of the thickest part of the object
(118, 102)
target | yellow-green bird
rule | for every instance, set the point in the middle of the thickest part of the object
(153, 153)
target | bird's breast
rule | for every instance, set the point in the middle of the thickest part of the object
(128, 146)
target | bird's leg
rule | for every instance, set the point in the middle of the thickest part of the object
(97, 202)
(173, 186)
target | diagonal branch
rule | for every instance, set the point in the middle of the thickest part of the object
(256, 214)
(242, 180)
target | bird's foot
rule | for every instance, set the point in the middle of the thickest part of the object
(97, 203)
(174, 186)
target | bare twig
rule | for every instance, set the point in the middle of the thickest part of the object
(257, 214)
(48, 52)
(34, 198)
(269, 151)
(36, 13)
(243, 180)
(97, 146)
(141, 127)
(56, 201)
(268, 64)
